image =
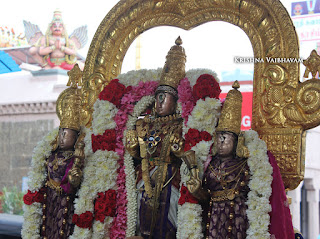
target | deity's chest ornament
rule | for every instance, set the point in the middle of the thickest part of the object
(154, 131)
(59, 161)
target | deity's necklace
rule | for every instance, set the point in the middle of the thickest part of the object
(221, 175)
(60, 161)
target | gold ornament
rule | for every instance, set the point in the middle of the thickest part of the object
(230, 119)
(69, 102)
(276, 85)
(312, 64)
(242, 151)
(174, 68)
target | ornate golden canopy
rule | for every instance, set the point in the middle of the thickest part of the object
(283, 107)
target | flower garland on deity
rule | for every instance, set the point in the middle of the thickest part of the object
(37, 177)
(55, 175)
(118, 108)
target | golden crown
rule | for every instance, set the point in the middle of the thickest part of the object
(69, 102)
(230, 119)
(174, 68)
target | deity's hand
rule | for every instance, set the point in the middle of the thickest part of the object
(194, 185)
(177, 145)
(132, 143)
(57, 43)
(74, 176)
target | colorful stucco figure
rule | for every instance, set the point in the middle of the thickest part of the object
(55, 49)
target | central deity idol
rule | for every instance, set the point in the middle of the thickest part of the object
(157, 147)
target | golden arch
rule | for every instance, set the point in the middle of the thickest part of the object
(278, 114)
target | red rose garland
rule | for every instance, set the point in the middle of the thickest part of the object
(206, 86)
(107, 141)
(30, 197)
(186, 196)
(105, 205)
(113, 92)
(193, 136)
(84, 220)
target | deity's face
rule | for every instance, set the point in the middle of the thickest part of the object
(57, 28)
(67, 139)
(165, 104)
(226, 142)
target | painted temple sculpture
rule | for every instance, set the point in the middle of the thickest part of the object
(55, 48)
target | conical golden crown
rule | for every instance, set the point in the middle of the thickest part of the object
(174, 68)
(68, 106)
(230, 119)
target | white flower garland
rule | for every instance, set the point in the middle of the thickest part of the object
(99, 175)
(200, 117)
(132, 78)
(102, 117)
(103, 120)
(260, 187)
(101, 230)
(132, 209)
(37, 176)
(189, 221)
(189, 214)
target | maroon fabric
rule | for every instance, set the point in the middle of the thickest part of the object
(65, 185)
(54, 213)
(219, 220)
(280, 216)
(58, 207)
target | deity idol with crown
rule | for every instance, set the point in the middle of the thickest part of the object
(56, 172)
(137, 145)
(242, 192)
(55, 49)
(157, 146)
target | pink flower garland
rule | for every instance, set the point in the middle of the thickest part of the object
(128, 101)
(185, 98)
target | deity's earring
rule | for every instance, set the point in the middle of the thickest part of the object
(153, 110)
(242, 151)
(54, 143)
(214, 146)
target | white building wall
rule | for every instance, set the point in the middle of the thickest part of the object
(312, 185)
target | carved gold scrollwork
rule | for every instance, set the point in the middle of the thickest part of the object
(274, 94)
(275, 74)
(90, 93)
(280, 101)
(308, 101)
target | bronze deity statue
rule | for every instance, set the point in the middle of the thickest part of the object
(62, 173)
(157, 146)
(228, 193)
